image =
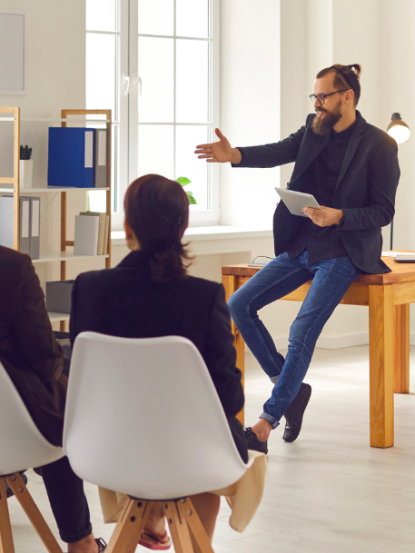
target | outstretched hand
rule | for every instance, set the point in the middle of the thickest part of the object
(218, 152)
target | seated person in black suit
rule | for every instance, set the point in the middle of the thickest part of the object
(149, 294)
(33, 359)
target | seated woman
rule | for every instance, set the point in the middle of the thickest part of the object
(33, 359)
(149, 294)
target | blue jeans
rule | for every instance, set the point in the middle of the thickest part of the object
(330, 280)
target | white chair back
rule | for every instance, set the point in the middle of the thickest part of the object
(143, 417)
(22, 444)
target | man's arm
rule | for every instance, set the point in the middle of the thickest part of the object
(272, 155)
(268, 155)
(384, 178)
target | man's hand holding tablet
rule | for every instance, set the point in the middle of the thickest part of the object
(305, 205)
(325, 216)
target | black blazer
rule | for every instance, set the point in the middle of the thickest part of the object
(365, 190)
(28, 349)
(124, 301)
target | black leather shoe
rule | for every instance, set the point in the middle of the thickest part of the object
(253, 442)
(9, 492)
(294, 413)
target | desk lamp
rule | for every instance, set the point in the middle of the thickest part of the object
(400, 131)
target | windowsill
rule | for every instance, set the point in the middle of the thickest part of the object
(216, 232)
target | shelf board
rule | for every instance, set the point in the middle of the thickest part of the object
(47, 257)
(58, 316)
(70, 121)
(23, 191)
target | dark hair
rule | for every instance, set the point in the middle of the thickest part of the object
(345, 76)
(157, 210)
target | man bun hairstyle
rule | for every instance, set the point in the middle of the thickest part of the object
(157, 210)
(345, 76)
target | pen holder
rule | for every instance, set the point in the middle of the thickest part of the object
(26, 173)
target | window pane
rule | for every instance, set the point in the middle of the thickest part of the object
(155, 150)
(192, 18)
(156, 17)
(192, 81)
(187, 164)
(101, 15)
(156, 69)
(100, 72)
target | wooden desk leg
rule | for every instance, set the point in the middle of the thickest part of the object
(401, 348)
(230, 284)
(381, 318)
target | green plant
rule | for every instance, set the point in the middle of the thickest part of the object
(25, 152)
(183, 181)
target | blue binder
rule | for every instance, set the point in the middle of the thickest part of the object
(71, 157)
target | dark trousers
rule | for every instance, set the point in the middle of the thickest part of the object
(67, 499)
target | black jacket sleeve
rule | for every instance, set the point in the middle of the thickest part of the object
(32, 329)
(272, 155)
(383, 182)
(220, 357)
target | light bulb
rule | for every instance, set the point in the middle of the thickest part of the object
(400, 133)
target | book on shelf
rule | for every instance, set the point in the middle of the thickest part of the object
(29, 227)
(34, 228)
(102, 230)
(6, 221)
(100, 158)
(71, 157)
(106, 234)
(24, 225)
(77, 157)
(86, 235)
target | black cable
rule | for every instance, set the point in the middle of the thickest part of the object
(266, 257)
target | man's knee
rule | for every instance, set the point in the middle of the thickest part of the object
(234, 305)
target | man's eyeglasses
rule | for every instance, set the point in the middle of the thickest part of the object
(322, 97)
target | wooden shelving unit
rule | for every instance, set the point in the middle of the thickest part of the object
(12, 185)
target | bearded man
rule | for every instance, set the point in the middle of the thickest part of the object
(351, 167)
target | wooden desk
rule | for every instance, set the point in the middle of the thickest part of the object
(388, 297)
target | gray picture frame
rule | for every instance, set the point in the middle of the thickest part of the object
(12, 52)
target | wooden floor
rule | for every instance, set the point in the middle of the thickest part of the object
(328, 492)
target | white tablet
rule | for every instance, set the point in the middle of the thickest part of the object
(296, 201)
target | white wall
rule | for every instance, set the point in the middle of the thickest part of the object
(250, 105)
(55, 32)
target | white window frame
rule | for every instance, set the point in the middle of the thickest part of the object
(127, 117)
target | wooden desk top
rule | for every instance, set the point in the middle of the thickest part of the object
(401, 272)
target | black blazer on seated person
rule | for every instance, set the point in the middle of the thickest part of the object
(28, 350)
(124, 301)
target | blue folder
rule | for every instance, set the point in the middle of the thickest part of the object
(71, 157)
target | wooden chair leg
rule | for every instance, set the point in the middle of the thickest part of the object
(189, 514)
(130, 526)
(23, 496)
(178, 528)
(6, 537)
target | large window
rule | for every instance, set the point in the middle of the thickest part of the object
(155, 63)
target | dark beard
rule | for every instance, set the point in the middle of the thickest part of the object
(324, 126)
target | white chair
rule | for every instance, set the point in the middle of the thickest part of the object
(22, 447)
(143, 418)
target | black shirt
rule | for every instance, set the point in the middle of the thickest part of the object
(323, 173)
